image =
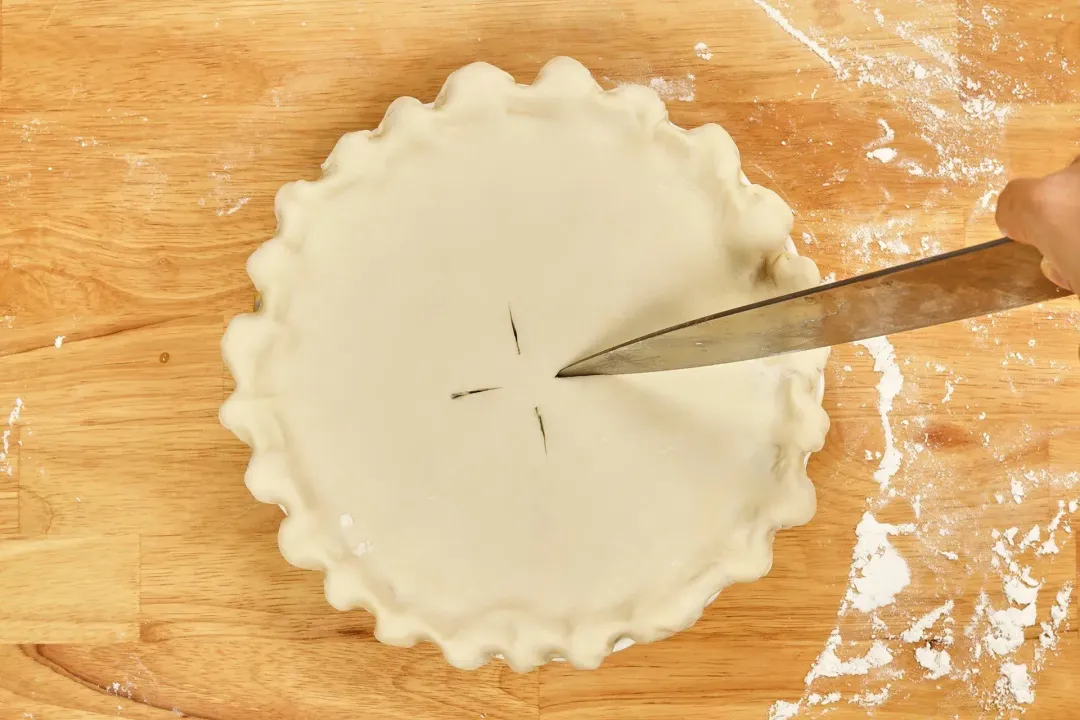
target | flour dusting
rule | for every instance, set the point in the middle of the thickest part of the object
(6, 438)
(829, 664)
(987, 655)
(878, 572)
(783, 710)
(1015, 682)
(892, 381)
(928, 66)
(884, 154)
(936, 662)
(813, 45)
(681, 89)
(16, 411)
(235, 207)
(917, 632)
(945, 80)
(124, 689)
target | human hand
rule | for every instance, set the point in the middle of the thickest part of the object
(1045, 212)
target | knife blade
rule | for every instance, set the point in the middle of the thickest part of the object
(965, 283)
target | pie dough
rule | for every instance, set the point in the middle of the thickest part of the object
(398, 390)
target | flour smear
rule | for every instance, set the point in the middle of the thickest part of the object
(882, 645)
(942, 111)
(944, 94)
(8, 441)
(681, 89)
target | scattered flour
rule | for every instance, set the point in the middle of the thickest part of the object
(949, 387)
(952, 108)
(5, 437)
(1048, 638)
(815, 47)
(702, 51)
(917, 632)
(16, 411)
(235, 208)
(888, 134)
(681, 89)
(991, 660)
(783, 710)
(878, 572)
(1016, 486)
(885, 154)
(829, 664)
(124, 689)
(872, 699)
(937, 662)
(884, 355)
(1016, 682)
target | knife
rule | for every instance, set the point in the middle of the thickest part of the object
(974, 281)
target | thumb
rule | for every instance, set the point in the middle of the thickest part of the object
(1053, 275)
(1012, 213)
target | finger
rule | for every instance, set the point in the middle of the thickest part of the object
(1053, 275)
(1010, 214)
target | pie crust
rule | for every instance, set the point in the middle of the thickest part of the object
(397, 385)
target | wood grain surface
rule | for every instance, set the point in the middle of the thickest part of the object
(141, 144)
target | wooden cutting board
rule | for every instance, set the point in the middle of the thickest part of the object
(141, 144)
